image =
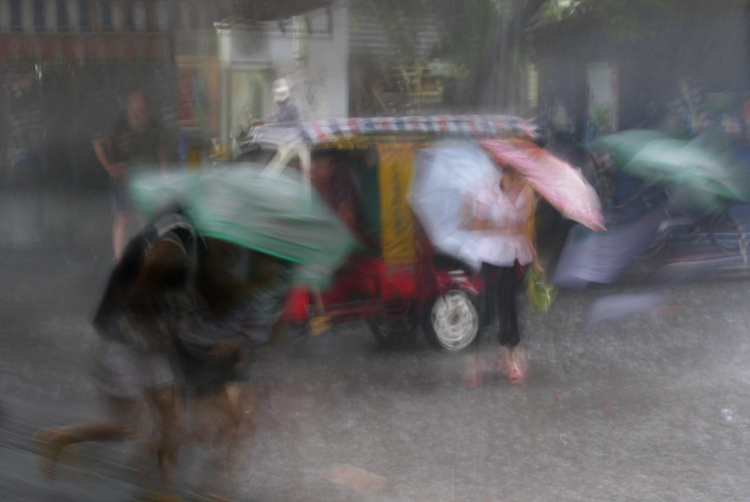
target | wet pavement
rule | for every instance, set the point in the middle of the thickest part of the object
(655, 407)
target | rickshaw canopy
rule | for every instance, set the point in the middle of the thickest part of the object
(395, 140)
(320, 132)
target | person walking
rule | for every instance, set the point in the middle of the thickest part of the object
(282, 96)
(136, 138)
(134, 361)
(500, 219)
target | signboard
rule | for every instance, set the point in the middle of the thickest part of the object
(83, 46)
(396, 216)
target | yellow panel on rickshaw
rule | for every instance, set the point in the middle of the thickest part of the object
(397, 238)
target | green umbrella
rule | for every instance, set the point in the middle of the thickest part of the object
(623, 146)
(277, 214)
(705, 169)
(708, 163)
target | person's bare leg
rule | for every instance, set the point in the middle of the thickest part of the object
(168, 406)
(226, 417)
(516, 367)
(50, 442)
(233, 412)
(120, 229)
(243, 404)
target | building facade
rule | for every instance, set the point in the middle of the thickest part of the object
(592, 81)
(310, 51)
(66, 65)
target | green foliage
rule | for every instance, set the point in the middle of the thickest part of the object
(628, 19)
(480, 37)
(463, 26)
(396, 18)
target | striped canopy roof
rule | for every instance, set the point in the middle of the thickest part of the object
(325, 131)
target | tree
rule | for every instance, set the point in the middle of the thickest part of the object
(629, 19)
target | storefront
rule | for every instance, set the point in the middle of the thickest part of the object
(309, 51)
(592, 81)
(60, 90)
(246, 74)
(386, 87)
(198, 90)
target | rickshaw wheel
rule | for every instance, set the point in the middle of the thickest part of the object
(393, 333)
(451, 322)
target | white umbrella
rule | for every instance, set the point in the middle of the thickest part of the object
(444, 177)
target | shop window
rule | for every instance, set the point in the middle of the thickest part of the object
(221, 13)
(194, 18)
(106, 12)
(61, 6)
(247, 99)
(129, 16)
(38, 8)
(84, 15)
(149, 16)
(15, 15)
(173, 15)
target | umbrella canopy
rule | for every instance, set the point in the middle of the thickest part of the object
(561, 184)
(706, 170)
(604, 257)
(278, 215)
(623, 146)
(443, 177)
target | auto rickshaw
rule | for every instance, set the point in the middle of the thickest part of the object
(396, 281)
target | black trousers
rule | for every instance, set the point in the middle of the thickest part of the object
(498, 303)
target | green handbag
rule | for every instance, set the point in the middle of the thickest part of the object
(539, 290)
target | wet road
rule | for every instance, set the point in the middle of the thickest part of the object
(652, 408)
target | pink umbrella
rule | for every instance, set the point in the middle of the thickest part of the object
(561, 184)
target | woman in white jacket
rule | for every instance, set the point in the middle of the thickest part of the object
(500, 217)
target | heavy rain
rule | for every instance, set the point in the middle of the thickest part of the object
(374, 250)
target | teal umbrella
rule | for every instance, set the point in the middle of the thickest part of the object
(706, 170)
(707, 163)
(623, 146)
(277, 214)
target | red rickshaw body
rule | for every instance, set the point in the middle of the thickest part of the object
(402, 278)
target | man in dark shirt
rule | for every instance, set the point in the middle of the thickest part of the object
(136, 138)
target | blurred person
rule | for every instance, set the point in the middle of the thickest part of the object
(239, 298)
(178, 319)
(136, 138)
(500, 216)
(287, 111)
(340, 190)
(135, 361)
(335, 186)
